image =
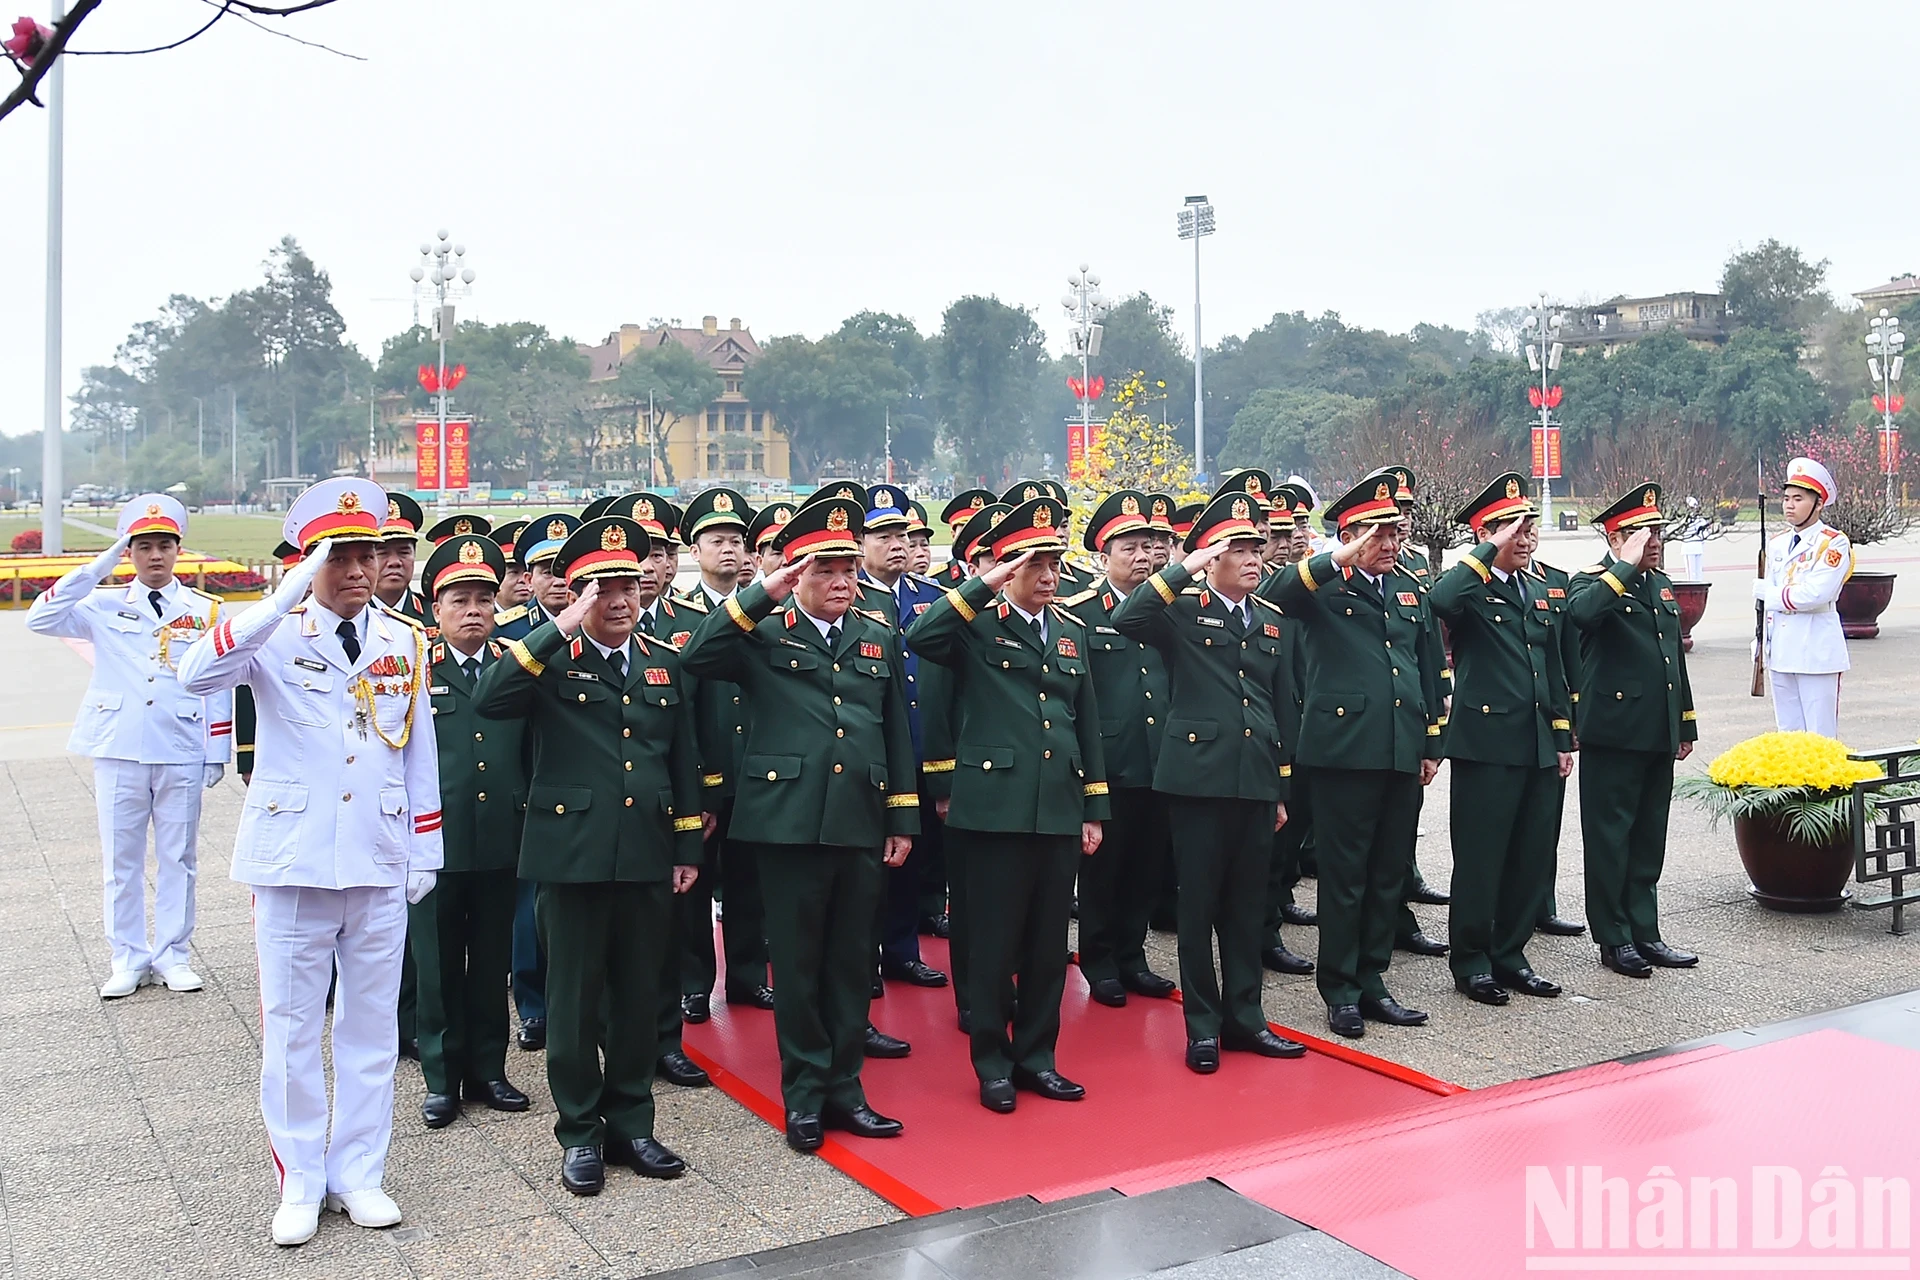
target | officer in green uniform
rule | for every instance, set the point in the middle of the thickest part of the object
(825, 798)
(1029, 792)
(714, 526)
(963, 507)
(399, 542)
(1553, 583)
(453, 526)
(612, 832)
(1510, 738)
(1291, 838)
(1023, 491)
(766, 525)
(1634, 719)
(1229, 666)
(516, 586)
(462, 932)
(1166, 891)
(1370, 731)
(1117, 888)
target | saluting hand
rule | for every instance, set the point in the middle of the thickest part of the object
(1634, 550)
(574, 616)
(898, 847)
(779, 584)
(1503, 536)
(1197, 561)
(997, 576)
(1347, 552)
(297, 581)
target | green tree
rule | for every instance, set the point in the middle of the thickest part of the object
(311, 371)
(1138, 337)
(986, 371)
(681, 385)
(831, 396)
(1290, 429)
(914, 435)
(1772, 286)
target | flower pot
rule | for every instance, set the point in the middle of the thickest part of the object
(1862, 600)
(1788, 874)
(1692, 599)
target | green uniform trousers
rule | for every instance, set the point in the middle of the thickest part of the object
(1019, 901)
(958, 955)
(820, 901)
(1405, 923)
(1504, 820)
(1118, 884)
(603, 946)
(1364, 821)
(1288, 842)
(1551, 905)
(743, 925)
(462, 938)
(1624, 797)
(1222, 856)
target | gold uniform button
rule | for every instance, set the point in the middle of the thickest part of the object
(1396, 702)
(663, 702)
(839, 768)
(349, 759)
(1149, 719)
(1248, 733)
(1046, 724)
(1043, 697)
(1043, 668)
(626, 699)
(1339, 711)
(793, 662)
(736, 702)
(1484, 709)
(481, 766)
(626, 733)
(986, 764)
(1245, 703)
(839, 733)
(583, 697)
(1005, 665)
(773, 775)
(1046, 755)
(1396, 671)
(1389, 644)
(629, 765)
(479, 737)
(1496, 617)
(836, 700)
(559, 808)
(347, 796)
(1143, 671)
(483, 795)
(836, 666)
(1193, 737)
(1148, 695)
(629, 802)
(1618, 696)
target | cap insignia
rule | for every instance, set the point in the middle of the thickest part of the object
(884, 499)
(1159, 506)
(782, 514)
(1253, 484)
(837, 519)
(613, 538)
(1029, 493)
(1240, 509)
(1129, 506)
(844, 492)
(1383, 493)
(993, 521)
(643, 509)
(393, 509)
(723, 502)
(463, 526)
(153, 508)
(470, 553)
(1513, 488)
(349, 502)
(1650, 498)
(1043, 517)
(556, 529)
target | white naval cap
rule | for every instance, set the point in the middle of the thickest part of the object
(152, 513)
(1805, 473)
(346, 508)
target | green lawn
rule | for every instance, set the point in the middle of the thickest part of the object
(76, 538)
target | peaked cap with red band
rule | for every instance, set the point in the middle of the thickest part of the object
(1371, 501)
(1160, 507)
(343, 509)
(1637, 508)
(967, 542)
(1505, 499)
(1039, 525)
(1251, 481)
(404, 519)
(823, 527)
(1122, 511)
(1237, 513)
(961, 509)
(458, 524)
(1805, 473)
(152, 513)
(604, 547)
(464, 557)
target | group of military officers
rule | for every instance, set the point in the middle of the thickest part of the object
(563, 762)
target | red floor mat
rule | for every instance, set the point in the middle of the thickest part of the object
(1451, 1191)
(1147, 1121)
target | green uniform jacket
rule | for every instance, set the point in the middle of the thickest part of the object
(1130, 678)
(1510, 703)
(615, 791)
(1553, 583)
(1414, 565)
(1027, 738)
(1222, 679)
(1373, 664)
(483, 777)
(719, 717)
(1634, 693)
(829, 756)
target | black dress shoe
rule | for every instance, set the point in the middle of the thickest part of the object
(440, 1110)
(675, 1067)
(1281, 960)
(1147, 983)
(966, 1023)
(1262, 1042)
(1390, 1011)
(882, 1045)
(410, 1049)
(696, 1008)
(1294, 913)
(760, 997)
(582, 1171)
(1427, 895)
(1048, 1084)
(934, 926)
(804, 1131)
(1345, 1020)
(533, 1035)
(1526, 982)
(1109, 992)
(646, 1157)
(1482, 989)
(1661, 955)
(1560, 928)
(916, 973)
(997, 1095)
(1203, 1056)
(943, 925)
(1626, 961)
(861, 1121)
(1420, 944)
(496, 1095)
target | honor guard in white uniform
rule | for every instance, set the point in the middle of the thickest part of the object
(1806, 567)
(341, 830)
(154, 745)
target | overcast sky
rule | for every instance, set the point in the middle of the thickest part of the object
(614, 160)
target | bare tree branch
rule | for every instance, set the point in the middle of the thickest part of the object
(159, 48)
(30, 77)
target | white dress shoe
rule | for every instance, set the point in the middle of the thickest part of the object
(181, 978)
(125, 983)
(370, 1207)
(295, 1223)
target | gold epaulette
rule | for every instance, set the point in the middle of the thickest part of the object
(1190, 591)
(1270, 604)
(514, 614)
(391, 612)
(696, 600)
(1069, 617)
(668, 645)
(1082, 598)
(1595, 568)
(867, 584)
(874, 615)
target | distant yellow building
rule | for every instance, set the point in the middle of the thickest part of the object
(728, 440)
(1701, 318)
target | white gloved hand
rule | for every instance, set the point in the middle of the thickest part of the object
(1760, 588)
(109, 560)
(298, 580)
(214, 773)
(420, 884)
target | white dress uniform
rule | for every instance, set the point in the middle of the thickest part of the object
(152, 742)
(1806, 648)
(341, 826)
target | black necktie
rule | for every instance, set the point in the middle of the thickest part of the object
(833, 636)
(349, 640)
(619, 660)
(1793, 544)
(1520, 585)
(471, 667)
(154, 597)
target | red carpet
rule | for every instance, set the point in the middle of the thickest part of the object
(1147, 1121)
(1443, 1193)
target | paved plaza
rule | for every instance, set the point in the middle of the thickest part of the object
(130, 1135)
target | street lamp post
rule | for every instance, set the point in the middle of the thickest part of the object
(1086, 307)
(443, 274)
(1541, 330)
(51, 484)
(1884, 343)
(1196, 223)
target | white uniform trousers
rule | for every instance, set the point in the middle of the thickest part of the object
(131, 797)
(300, 934)
(1810, 702)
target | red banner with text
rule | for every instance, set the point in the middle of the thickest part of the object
(1546, 453)
(1082, 439)
(426, 453)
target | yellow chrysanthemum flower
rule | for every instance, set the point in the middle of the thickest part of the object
(1790, 759)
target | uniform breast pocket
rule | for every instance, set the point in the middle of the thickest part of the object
(582, 692)
(1007, 657)
(443, 704)
(1071, 668)
(270, 824)
(782, 658)
(871, 667)
(557, 802)
(393, 822)
(308, 694)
